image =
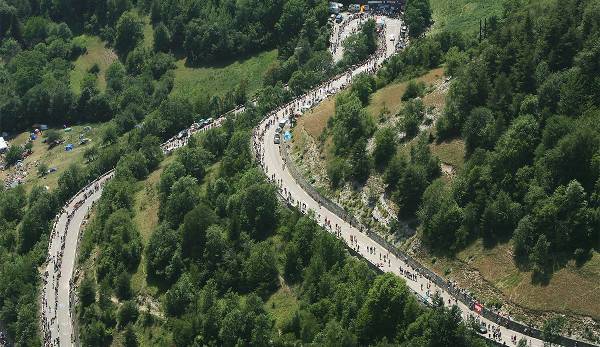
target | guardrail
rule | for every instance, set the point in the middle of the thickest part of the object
(465, 298)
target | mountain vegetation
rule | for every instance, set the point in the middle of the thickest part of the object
(224, 245)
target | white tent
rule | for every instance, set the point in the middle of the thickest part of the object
(3, 145)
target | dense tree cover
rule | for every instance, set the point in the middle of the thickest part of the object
(230, 268)
(358, 46)
(34, 83)
(407, 178)
(35, 87)
(417, 16)
(219, 256)
(210, 31)
(37, 48)
(350, 128)
(525, 105)
(129, 32)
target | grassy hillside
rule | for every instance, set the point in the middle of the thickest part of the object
(462, 15)
(97, 53)
(217, 80)
(491, 273)
(196, 82)
(387, 101)
(56, 157)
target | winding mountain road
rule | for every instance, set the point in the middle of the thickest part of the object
(275, 166)
(57, 299)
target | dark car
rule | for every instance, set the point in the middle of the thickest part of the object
(481, 328)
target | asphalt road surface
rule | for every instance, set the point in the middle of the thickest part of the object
(57, 301)
(57, 294)
(272, 161)
(57, 327)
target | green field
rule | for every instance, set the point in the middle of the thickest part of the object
(207, 81)
(462, 15)
(148, 31)
(56, 157)
(97, 53)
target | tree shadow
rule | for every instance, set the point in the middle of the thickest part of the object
(541, 278)
(491, 241)
(216, 63)
(160, 284)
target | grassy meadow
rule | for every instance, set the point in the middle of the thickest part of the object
(197, 82)
(462, 15)
(97, 53)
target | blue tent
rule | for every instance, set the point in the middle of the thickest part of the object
(69, 147)
(287, 136)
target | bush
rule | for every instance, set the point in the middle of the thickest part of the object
(385, 146)
(42, 169)
(52, 135)
(123, 286)
(128, 313)
(413, 89)
(14, 154)
(336, 171)
(413, 115)
(94, 69)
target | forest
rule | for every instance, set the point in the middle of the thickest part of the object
(38, 50)
(528, 116)
(224, 243)
(527, 113)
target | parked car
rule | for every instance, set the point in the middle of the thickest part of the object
(277, 139)
(481, 328)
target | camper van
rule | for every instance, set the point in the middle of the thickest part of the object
(335, 7)
(354, 8)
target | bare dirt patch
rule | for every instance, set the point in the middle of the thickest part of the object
(315, 120)
(491, 275)
(390, 97)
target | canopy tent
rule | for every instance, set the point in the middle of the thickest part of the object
(3, 145)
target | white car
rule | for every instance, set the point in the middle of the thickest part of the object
(392, 38)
